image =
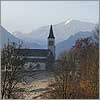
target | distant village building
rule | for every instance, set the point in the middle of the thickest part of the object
(39, 59)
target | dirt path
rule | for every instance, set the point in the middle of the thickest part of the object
(36, 84)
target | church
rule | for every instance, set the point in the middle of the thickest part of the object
(40, 59)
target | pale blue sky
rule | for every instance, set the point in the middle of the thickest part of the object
(25, 16)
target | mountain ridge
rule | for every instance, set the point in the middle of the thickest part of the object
(61, 31)
(65, 35)
(67, 44)
(6, 37)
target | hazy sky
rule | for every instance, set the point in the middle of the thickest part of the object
(25, 16)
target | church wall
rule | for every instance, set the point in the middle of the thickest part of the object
(52, 48)
(51, 45)
(31, 66)
(36, 57)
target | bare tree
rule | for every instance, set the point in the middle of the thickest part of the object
(11, 65)
(65, 76)
(77, 71)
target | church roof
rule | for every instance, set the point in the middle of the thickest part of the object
(33, 52)
(51, 35)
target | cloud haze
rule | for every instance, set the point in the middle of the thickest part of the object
(28, 15)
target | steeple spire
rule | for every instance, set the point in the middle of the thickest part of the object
(51, 35)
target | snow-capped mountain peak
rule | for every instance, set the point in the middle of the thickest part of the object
(68, 20)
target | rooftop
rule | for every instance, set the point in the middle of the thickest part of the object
(51, 35)
(33, 52)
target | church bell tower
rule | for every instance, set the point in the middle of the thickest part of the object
(51, 41)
